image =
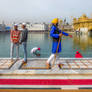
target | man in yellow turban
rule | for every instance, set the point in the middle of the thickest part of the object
(56, 34)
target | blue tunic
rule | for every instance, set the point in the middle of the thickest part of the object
(55, 43)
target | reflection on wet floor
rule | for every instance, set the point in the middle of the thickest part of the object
(6, 63)
(41, 64)
(68, 64)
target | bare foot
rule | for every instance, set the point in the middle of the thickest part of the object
(48, 66)
(60, 66)
(24, 63)
(11, 60)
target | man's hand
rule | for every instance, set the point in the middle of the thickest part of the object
(70, 36)
(55, 55)
(60, 35)
(20, 42)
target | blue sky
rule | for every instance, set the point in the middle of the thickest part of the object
(43, 10)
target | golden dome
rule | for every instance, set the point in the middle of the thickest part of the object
(84, 16)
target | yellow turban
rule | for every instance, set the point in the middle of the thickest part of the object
(55, 21)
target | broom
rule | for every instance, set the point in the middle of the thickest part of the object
(56, 52)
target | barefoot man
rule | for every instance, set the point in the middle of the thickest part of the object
(23, 41)
(56, 34)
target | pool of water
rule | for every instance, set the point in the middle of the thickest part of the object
(81, 43)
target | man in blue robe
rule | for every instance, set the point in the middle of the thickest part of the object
(56, 35)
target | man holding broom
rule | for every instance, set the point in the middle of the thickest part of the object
(56, 35)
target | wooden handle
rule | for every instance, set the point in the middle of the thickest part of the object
(56, 52)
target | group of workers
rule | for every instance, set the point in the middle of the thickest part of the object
(18, 38)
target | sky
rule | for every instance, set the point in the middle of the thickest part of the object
(43, 10)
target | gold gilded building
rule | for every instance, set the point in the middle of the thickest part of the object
(83, 23)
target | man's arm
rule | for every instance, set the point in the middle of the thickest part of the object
(11, 35)
(20, 36)
(66, 34)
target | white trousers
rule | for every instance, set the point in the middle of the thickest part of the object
(12, 50)
(52, 57)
